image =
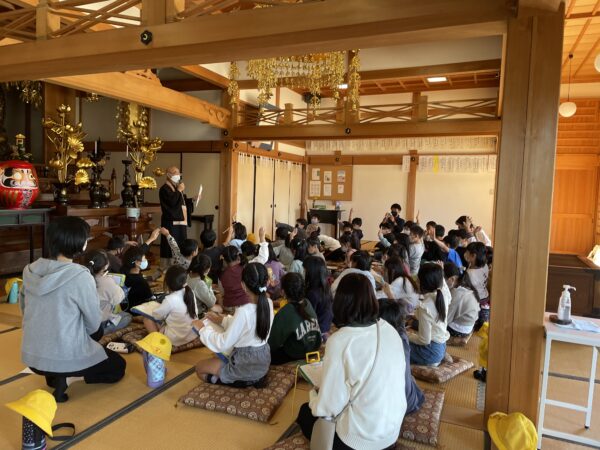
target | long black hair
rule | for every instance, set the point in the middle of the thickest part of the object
(200, 264)
(315, 277)
(431, 279)
(293, 286)
(232, 254)
(396, 268)
(256, 278)
(95, 261)
(479, 251)
(299, 248)
(175, 280)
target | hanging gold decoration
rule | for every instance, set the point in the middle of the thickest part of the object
(91, 97)
(159, 172)
(29, 92)
(312, 72)
(233, 89)
(141, 149)
(353, 95)
(67, 141)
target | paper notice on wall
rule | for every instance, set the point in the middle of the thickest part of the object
(327, 176)
(491, 163)
(316, 175)
(314, 189)
(327, 190)
(443, 164)
(340, 189)
(483, 163)
(406, 163)
(341, 176)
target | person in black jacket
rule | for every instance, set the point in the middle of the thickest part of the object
(176, 210)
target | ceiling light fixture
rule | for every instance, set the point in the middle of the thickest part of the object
(437, 79)
(343, 86)
(568, 108)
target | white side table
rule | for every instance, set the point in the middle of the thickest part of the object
(556, 333)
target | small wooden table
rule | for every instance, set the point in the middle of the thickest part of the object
(330, 217)
(27, 218)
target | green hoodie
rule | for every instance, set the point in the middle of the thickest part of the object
(296, 335)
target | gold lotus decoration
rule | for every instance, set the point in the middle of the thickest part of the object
(141, 149)
(159, 172)
(68, 145)
(312, 72)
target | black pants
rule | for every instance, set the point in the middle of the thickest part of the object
(307, 421)
(110, 370)
(179, 233)
(279, 356)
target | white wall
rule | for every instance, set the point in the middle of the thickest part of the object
(443, 197)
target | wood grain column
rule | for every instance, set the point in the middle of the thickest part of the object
(228, 186)
(523, 211)
(411, 190)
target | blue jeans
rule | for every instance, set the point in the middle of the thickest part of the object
(424, 355)
(110, 327)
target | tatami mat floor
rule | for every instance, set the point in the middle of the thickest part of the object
(159, 423)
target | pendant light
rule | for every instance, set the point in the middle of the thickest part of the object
(568, 108)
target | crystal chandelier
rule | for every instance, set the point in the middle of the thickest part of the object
(313, 72)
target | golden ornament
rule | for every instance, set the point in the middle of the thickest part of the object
(81, 177)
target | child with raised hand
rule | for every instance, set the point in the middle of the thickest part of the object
(395, 313)
(463, 311)
(244, 336)
(295, 330)
(181, 256)
(479, 272)
(208, 238)
(428, 347)
(399, 284)
(177, 310)
(201, 284)
(109, 293)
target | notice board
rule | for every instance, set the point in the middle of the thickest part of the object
(328, 182)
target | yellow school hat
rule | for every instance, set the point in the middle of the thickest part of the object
(252, 238)
(157, 344)
(39, 406)
(512, 432)
(10, 282)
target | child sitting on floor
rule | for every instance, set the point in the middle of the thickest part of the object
(134, 262)
(313, 248)
(318, 291)
(464, 307)
(399, 284)
(416, 249)
(478, 271)
(208, 238)
(295, 330)
(360, 262)
(109, 293)
(230, 282)
(201, 284)
(343, 253)
(181, 256)
(428, 347)
(243, 338)
(298, 247)
(395, 313)
(239, 235)
(276, 272)
(177, 310)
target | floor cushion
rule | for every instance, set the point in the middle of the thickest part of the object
(251, 403)
(448, 369)
(424, 425)
(134, 336)
(459, 341)
(117, 335)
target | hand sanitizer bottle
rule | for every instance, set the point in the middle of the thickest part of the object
(564, 305)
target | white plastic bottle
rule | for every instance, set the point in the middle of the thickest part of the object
(564, 305)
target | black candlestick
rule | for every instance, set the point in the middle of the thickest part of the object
(98, 197)
(127, 194)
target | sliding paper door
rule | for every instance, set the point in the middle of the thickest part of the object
(263, 195)
(245, 190)
(295, 199)
(282, 191)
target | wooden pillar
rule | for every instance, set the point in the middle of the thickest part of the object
(412, 186)
(54, 96)
(153, 12)
(304, 190)
(288, 114)
(523, 210)
(419, 107)
(228, 186)
(173, 8)
(45, 22)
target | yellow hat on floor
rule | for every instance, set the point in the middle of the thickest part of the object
(38, 406)
(157, 344)
(512, 432)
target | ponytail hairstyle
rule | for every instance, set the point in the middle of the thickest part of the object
(255, 277)
(396, 268)
(175, 280)
(130, 257)
(479, 251)
(466, 282)
(431, 279)
(272, 255)
(200, 264)
(293, 286)
(232, 254)
(95, 261)
(299, 248)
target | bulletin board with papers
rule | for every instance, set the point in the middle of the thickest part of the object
(330, 183)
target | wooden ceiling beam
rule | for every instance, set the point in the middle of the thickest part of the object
(207, 75)
(133, 88)
(334, 25)
(472, 127)
(190, 84)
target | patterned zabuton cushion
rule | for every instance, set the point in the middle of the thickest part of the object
(459, 341)
(448, 369)
(134, 336)
(117, 335)
(251, 403)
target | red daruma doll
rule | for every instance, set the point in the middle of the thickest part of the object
(18, 184)
(38, 409)
(156, 350)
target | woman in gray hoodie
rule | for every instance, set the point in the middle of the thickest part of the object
(61, 314)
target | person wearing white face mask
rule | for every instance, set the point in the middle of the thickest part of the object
(134, 262)
(61, 314)
(176, 211)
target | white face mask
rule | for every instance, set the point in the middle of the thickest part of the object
(175, 178)
(314, 221)
(144, 264)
